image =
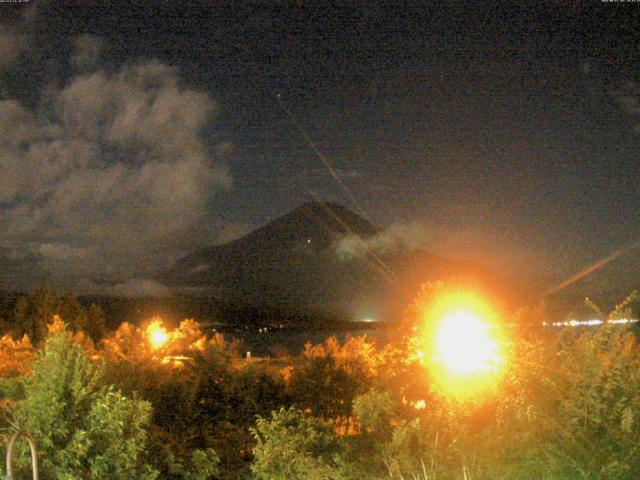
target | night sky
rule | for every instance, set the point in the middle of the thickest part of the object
(504, 133)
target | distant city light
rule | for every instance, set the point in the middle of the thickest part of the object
(589, 323)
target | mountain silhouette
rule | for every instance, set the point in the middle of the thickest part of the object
(294, 261)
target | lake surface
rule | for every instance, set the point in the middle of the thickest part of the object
(264, 343)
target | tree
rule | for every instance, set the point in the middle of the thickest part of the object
(170, 376)
(330, 375)
(294, 446)
(16, 356)
(571, 405)
(599, 407)
(83, 428)
(96, 323)
(32, 313)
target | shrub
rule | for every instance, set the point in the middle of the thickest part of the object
(83, 428)
(292, 445)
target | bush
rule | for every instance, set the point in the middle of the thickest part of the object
(292, 445)
(82, 428)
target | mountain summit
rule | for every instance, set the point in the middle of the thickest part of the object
(316, 223)
(273, 262)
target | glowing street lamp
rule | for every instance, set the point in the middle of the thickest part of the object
(462, 344)
(157, 334)
(465, 345)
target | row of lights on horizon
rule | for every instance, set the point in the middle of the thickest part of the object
(590, 323)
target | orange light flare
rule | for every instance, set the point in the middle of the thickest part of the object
(462, 344)
(157, 334)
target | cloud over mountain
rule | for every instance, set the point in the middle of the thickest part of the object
(400, 235)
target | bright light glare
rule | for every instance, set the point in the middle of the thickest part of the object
(157, 334)
(464, 344)
(368, 320)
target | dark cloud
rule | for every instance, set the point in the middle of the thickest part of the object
(12, 44)
(107, 172)
(86, 54)
(627, 97)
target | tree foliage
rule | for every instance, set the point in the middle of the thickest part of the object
(568, 407)
(32, 313)
(294, 446)
(83, 428)
(581, 418)
(329, 376)
(16, 356)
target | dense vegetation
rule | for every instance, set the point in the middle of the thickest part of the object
(189, 406)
